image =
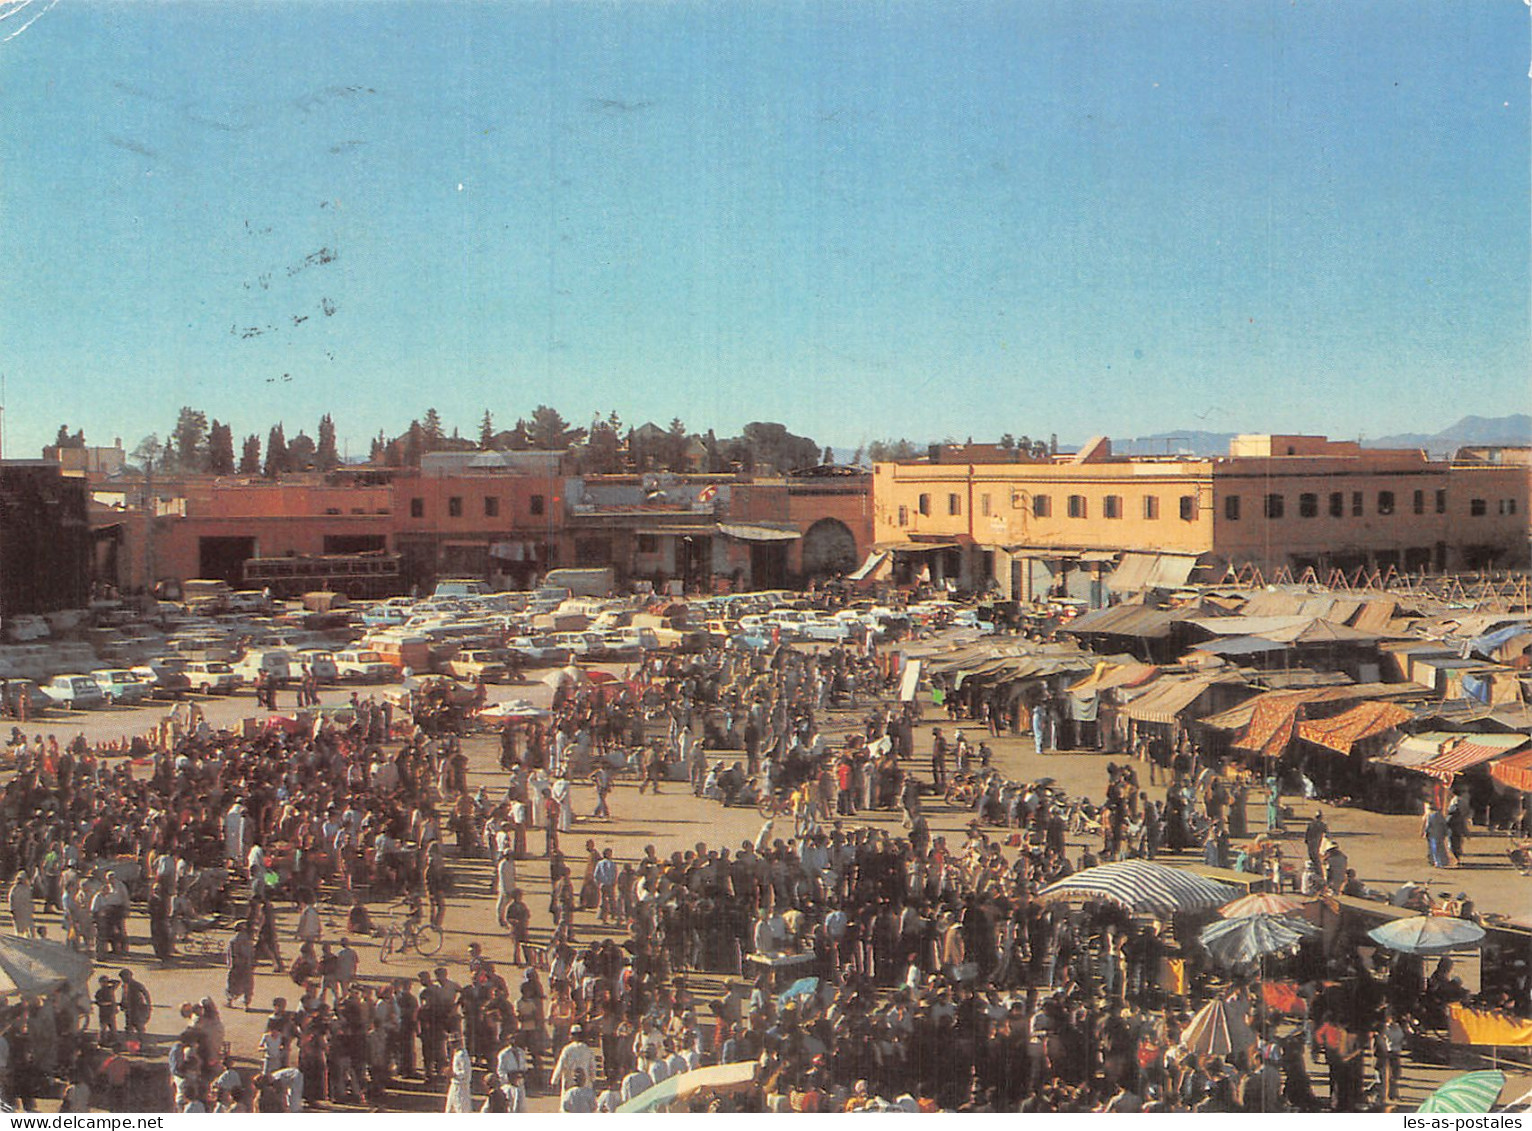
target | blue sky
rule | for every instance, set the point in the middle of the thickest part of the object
(862, 220)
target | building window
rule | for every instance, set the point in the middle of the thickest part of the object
(648, 544)
(1151, 507)
(984, 505)
(954, 504)
(1477, 508)
(1111, 506)
(491, 506)
(1308, 505)
(1356, 504)
(1385, 502)
(535, 504)
(1077, 506)
(1188, 508)
(1441, 500)
(1231, 507)
(1419, 502)
(417, 508)
(904, 516)
(923, 504)
(1337, 504)
(1042, 506)
(1507, 506)
(332, 510)
(1275, 506)
(455, 506)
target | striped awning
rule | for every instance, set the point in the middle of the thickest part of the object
(1142, 887)
(1515, 771)
(1166, 698)
(1462, 756)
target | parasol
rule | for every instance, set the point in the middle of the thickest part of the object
(803, 987)
(1143, 887)
(1217, 1029)
(1473, 1093)
(1426, 934)
(34, 967)
(1262, 903)
(720, 1079)
(1238, 942)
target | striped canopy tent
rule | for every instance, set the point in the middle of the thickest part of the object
(1142, 887)
(1473, 1093)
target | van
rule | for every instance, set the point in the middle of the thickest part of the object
(401, 650)
(461, 587)
(276, 663)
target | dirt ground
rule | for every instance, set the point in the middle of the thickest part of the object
(1385, 850)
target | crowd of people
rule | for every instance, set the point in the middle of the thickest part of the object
(927, 972)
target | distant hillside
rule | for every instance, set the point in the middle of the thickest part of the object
(1514, 429)
(1188, 443)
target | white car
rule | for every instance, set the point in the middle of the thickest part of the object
(212, 677)
(73, 692)
(120, 685)
(364, 667)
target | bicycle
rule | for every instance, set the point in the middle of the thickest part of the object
(407, 934)
(769, 805)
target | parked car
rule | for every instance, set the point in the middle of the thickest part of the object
(276, 663)
(249, 601)
(320, 661)
(213, 677)
(538, 650)
(27, 627)
(13, 691)
(364, 667)
(120, 685)
(477, 664)
(74, 692)
(165, 680)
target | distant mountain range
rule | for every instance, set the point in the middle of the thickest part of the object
(1513, 429)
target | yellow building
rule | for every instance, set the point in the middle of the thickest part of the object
(1032, 525)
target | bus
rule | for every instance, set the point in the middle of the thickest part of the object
(364, 576)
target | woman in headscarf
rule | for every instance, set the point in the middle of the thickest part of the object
(460, 1089)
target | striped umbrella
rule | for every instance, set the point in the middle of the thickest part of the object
(1473, 1093)
(1142, 887)
(1427, 934)
(1263, 903)
(1239, 942)
(1217, 1029)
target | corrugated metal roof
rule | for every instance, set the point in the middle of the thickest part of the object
(1124, 620)
(1241, 646)
(1243, 625)
(1166, 698)
(1374, 616)
(1151, 571)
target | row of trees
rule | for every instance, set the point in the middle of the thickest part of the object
(197, 444)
